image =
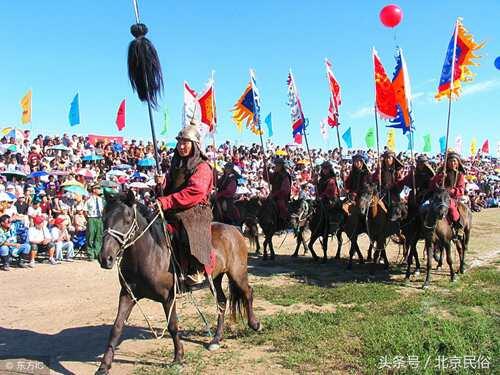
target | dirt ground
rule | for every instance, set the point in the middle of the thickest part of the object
(63, 314)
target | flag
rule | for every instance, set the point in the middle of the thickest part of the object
(473, 147)
(370, 137)
(247, 108)
(74, 112)
(206, 101)
(323, 129)
(335, 97)
(462, 46)
(385, 98)
(26, 108)
(166, 122)
(458, 144)
(120, 116)
(269, 124)
(411, 143)
(427, 143)
(190, 107)
(485, 148)
(442, 144)
(297, 116)
(347, 138)
(402, 92)
(391, 139)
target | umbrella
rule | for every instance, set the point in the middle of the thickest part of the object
(37, 174)
(281, 153)
(75, 189)
(59, 147)
(72, 183)
(4, 197)
(138, 185)
(146, 162)
(12, 133)
(109, 184)
(92, 157)
(59, 173)
(472, 186)
(116, 172)
(139, 175)
(17, 174)
(86, 173)
(122, 166)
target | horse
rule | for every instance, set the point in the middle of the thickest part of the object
(148, 269)
(301, 210)
(379, 225)
(438, 232)
(325, 221)
(248, 210)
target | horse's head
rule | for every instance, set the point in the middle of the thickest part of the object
(439, 202)
(120, 224)
(366, 197)
(299, 212)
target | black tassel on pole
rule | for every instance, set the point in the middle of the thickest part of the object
(144, 72)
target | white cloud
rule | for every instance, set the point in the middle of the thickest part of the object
(474, 88)
(417, 95)
(362, 112)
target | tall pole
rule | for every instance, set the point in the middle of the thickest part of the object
(378, 150)
(256, 120)
(413, 165)
(306, 123)
(338, 139)
(452, 74)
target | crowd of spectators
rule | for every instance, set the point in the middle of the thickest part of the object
(50, 187)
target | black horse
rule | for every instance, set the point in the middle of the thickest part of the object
(149, 269)
(300, 213)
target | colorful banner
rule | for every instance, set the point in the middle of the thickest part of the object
(120, 116)
(402, 92)
(347, 137)
(385, 98)
(335, 97)
(269, 122)
(427, 143)
(74, 111)
(391, 139)
(297, 116)
(93, 138)
(370, 137)
(442, 144)
(26, 108)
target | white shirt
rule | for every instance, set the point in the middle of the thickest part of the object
(36, 235)
(32, 212)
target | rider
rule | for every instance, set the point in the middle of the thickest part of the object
(358, 178)
(185, 200)
(224, 198)
(423, 176)
(327, 183)
(390, 177)
(454, 182)
(281, 185)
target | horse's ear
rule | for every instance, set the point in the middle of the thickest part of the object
(129, 198)
(109, 197)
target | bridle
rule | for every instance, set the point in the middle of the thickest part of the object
(128, 238)
(303, 214)
(434, 208)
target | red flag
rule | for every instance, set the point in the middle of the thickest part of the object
(486, 147)
(120, 116)
(385, 97)
(335, 99)
(207, 107)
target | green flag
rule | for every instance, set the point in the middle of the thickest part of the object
(166, 121)
(427, 143)
(370, 138)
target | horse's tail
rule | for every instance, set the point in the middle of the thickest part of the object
(237, 302)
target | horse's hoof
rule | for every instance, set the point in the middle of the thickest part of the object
(260, 327)
(295, 255)
(101, 371)
(454, 279)
(438, 268)
(324, 260)
(416, 273)
(337, 257)
(213, 347)
(425, 286)
(349, 267)
(272, 257)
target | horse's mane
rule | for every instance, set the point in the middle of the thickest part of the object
(156, 228)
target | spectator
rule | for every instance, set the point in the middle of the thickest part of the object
(40, 240)
(9, 246)
(62, 239)
(95, 205)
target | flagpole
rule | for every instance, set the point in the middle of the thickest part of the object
(338, 138)
(378, 150)
(413, 165)
(452, 74)
(212, 133)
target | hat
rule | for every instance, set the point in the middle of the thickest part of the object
(59, 220)
(37, 220)
(397, 162)
(456, 155)
(95, 186)
(190, 133)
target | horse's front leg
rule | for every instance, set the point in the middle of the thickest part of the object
(339, 244)
(312, 240)
(271, 247)
(173, 328)
(449, 259)
(221, 309)
(255, 232)
(428, 252)
(325, 245)
(369, 258)
(125, 306)
(304, 245)
(264, 245)
(298, 242)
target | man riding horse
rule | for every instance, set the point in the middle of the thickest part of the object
(281, 184)
(390, 176)
(184, 197)
(357, 179)
(224, 197)
(454, 182)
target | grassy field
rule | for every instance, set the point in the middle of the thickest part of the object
(360, 325)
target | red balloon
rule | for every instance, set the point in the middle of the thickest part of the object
(391, 15)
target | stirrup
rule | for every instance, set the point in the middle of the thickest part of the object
(195, 279)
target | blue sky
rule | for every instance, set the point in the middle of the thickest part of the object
(57, 48)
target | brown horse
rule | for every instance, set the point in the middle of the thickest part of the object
(438, 233)
(133, 232)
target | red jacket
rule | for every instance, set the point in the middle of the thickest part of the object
(457, 191)
(284, 190)
(228, 191)
(196, 191)
(330, 191)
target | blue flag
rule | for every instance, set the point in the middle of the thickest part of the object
(74, 112)
(269, 124)
(347, 138)
(442, 144)
(411, 142)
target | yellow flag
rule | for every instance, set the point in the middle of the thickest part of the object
(391, 139)
(473, 147)
(26, 108)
